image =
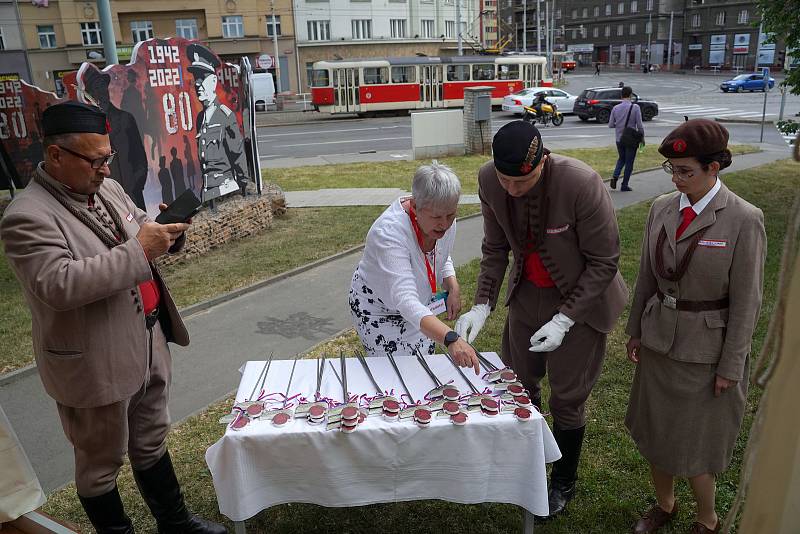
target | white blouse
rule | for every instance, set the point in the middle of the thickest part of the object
(393, 264)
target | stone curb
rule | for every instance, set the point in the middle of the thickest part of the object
(742, 121)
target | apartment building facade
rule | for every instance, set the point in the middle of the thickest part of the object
(13, 61)
(340, 29)
(726, 33)
(66, 33)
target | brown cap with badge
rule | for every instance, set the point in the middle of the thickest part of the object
(73, 117)
(517, 148)
(696, 137)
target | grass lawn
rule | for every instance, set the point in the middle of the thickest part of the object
(614, 486)
(299, 237)
(399, 173)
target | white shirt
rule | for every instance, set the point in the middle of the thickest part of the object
(393, 264)
(700, 205)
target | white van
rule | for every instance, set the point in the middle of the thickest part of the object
(263, 90)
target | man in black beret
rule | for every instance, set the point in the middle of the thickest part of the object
(565, 291)
(83, 253)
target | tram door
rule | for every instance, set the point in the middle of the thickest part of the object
(531, 75)
(345, 90)
(430, 86)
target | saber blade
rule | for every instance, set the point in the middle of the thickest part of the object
(403, 382)
(428, 370)
(471, 386)
(262, 376)
(364, 364)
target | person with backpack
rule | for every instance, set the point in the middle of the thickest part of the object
(626, 119)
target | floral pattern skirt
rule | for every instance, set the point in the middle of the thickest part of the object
(383, 331)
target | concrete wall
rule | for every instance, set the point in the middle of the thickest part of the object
(437, 133)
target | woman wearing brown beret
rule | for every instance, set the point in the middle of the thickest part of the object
(694, 310)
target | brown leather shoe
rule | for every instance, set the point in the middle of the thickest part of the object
(700, 528)
(655, 518)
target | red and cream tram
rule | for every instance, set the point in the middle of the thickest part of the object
(407, 83)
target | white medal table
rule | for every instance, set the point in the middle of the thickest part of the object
(490, 459)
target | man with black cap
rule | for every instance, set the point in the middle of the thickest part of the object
(565, 291)
(102, 316)
(219, 140)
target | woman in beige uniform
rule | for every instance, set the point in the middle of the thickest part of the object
(695, 306)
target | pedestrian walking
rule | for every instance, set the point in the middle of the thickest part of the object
(626, 119)
(597, 69)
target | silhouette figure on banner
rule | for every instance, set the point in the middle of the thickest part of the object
(176, 169)
(129, 168)
(166, 181)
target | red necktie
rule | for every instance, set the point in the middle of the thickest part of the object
(688, 216)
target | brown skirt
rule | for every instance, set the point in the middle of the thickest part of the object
(675, 420)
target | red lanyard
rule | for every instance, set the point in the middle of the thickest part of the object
(415, 226)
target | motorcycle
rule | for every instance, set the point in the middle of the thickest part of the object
(549, 114)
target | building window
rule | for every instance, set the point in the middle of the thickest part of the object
(721, 18)
(696, 20)
(649, 5)
(426, 27)
(232, 26)
(449, 29)
(596, 11)
(620, 29)
(744, 16)
(558, 13)
(633, 29)
(362, 28)
(585, 12)
(47, 36)
(141, 30)
(634, 6)
(90, 33)
(608, 10)
(648, 27)
(574, 34)
(276, 23)
(186, 28)
(596, 31)
(607, 31)
(620, 8)
(2, 40)
(574, 13)
(319, 30)
(398, 28)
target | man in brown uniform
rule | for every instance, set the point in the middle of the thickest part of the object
(102, 318)
(565, 291)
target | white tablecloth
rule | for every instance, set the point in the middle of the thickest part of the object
(488, 460)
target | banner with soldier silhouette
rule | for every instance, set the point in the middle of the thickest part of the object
(177, 117)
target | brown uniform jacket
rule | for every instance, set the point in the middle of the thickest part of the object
(89, 333)
(580, 248)
(729, 261)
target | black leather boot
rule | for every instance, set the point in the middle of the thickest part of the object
(162, 493)
(107, 513)
(564, 475)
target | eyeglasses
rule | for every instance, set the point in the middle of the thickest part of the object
(96, 163)
(683, 176)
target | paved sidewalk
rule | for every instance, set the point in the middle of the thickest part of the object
(379, 196)
(288, 316)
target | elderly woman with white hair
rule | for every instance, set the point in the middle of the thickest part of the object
(406, 279)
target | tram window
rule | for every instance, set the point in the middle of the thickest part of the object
(483, 72)
(458, 73)
(509, 72)
(376, 75)
(404, 75)
(320, 78)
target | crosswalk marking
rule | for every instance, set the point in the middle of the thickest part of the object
(698, 111)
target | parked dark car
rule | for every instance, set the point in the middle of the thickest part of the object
(597, 102)
(746, 82)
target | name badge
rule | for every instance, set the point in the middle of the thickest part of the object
(129, 217)
(438, 303)
(714, 243)
(557, 230)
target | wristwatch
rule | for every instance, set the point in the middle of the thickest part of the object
(451, 336)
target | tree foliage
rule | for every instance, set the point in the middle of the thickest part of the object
(782, 18)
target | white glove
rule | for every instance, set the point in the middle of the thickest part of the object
(469, 324)
(549, 337)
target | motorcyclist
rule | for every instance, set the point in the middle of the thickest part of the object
(539, 100)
